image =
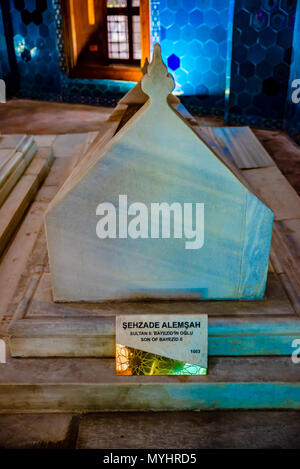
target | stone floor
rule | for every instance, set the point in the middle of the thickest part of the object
(285, 152)
(39, 117)
(220, 429)
(176, 430)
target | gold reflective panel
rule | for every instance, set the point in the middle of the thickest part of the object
(130, 361)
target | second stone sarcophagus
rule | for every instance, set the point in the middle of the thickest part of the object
(156, 214)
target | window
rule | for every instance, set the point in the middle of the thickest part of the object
(124, 30)
(106, 38)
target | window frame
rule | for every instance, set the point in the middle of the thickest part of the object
(115, 69)
(129, 11)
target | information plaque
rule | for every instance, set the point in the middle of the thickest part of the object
(164, 344)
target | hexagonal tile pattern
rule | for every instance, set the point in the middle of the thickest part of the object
(37, 26)
(270, 5)
(278, 20)
(292, 118)
(196, 18)
(167, 18)
(198, 37)
(247, 69)
(194, 36)
(261, 53)
(181, 17)
(288, 5)
(260, 20)
(256, 54)
(173, 62)
(4, 62)
(249, 36)
(173, 33)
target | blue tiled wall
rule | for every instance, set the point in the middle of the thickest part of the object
(4, 64)
(292, 118)
(193, 33)
(231, 55)
(36, 50)
(194, 39)
(261, 55)
(38, 42)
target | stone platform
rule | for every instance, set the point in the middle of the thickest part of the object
(89, 384)
(40, 330)
(43, 328)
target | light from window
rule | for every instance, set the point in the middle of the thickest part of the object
(136, 31)
(91, 12)
(116, 3)
(118, 43)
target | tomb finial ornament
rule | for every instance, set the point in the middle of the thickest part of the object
(157, 83)
(145, 66)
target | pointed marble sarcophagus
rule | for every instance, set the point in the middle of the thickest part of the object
(155, 213)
